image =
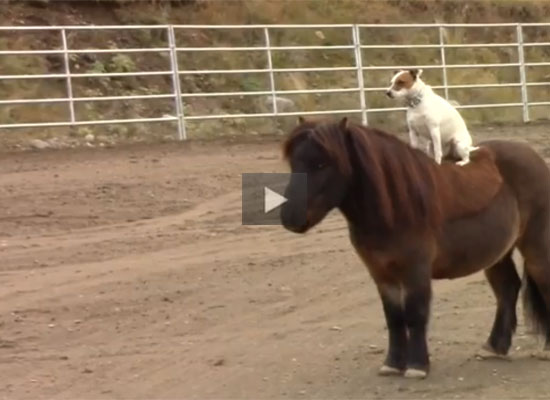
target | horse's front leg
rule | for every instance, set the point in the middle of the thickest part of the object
(396, 358)
(417, 310)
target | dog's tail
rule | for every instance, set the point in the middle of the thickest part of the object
(454, 103)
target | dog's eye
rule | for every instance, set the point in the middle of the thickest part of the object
(320, 165)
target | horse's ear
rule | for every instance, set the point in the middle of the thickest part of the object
(301, 120)
(344, 123)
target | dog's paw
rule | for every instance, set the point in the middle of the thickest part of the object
(462, 162)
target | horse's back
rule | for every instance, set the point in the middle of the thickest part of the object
(525, 172)
(528, 177)
(466, 190)
(519, 215)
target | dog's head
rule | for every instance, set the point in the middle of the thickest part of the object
(403, 83)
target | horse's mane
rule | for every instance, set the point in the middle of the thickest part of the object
(399, 180)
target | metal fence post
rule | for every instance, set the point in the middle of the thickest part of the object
(267, 42)
(182, 134)
(443, 61)
(522, 73)
(359, 64)
(68, 75)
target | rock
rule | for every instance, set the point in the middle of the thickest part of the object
(54, 143)
(336, 328)
(89, 137)
(39, 144)
(283, 104)
(376, 351)
(219, 363)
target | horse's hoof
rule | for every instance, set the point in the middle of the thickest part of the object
(487, 353)
(413, 373)
(386, 370)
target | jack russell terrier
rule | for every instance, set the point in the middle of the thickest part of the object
(431, 118)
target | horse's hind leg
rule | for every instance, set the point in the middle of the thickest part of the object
(505, 282)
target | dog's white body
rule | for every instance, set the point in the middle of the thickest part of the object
(433, 122)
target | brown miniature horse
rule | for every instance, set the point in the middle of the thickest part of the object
(412, 220)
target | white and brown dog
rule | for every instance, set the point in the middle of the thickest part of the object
(431, 118)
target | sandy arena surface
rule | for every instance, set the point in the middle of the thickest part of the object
(125, 274)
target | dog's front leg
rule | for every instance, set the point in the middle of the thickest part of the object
(413, 138)
(436, 142)
(428, 148)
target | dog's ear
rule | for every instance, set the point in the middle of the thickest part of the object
(301, 120)
(343, 124)
(415, 73)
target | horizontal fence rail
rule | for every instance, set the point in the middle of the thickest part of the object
(357, 47)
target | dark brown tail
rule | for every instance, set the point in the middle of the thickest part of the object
(537, 313)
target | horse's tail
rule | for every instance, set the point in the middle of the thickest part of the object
(537, 313)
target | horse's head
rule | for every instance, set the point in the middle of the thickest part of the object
(312, 148)
(376, 180)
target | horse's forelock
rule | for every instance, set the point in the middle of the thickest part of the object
(329, 136)
(333, 140)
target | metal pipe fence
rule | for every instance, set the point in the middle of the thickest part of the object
(360, 67)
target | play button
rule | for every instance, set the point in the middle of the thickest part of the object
(272, 200)
(264, 194)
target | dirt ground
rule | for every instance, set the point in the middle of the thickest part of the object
(125, 273)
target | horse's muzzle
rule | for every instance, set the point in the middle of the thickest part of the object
(293, 219)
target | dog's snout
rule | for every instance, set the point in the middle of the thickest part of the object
(389, 94)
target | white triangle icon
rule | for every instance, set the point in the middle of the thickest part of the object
(272, 200)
